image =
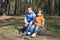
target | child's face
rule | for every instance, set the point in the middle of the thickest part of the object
(39, 13)
(29, 10)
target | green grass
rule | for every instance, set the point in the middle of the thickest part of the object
(22, 16)
(53, 25)
(2, 29)
(34, 39)
(5, 27)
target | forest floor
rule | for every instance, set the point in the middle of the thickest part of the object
(13, 34)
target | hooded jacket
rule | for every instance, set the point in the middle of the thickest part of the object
(29, 17)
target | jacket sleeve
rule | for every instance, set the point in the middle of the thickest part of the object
(25, 20)
(43, 21)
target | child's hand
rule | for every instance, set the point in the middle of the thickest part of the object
(31, 22)
(27, 23)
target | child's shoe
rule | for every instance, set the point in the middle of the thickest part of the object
(24, 34)
(28, 33)
(33, 35)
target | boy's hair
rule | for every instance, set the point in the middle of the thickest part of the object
(29, 7)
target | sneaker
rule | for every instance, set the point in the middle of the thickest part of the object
(28, 33)
(24, 34)
(33, 35)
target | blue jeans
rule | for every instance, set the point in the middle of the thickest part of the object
(30, 28)
(26, 28)
(36, 29)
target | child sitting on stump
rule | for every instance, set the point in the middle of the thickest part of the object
(29, 18)
(38, 22)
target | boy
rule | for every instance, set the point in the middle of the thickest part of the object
(29, 18)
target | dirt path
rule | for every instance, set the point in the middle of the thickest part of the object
(5, 17)
(9, 35)
(14, 35)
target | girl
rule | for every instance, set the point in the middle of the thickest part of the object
(38, 22)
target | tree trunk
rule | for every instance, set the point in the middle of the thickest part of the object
(49, 5)
(18, 7)
(8, 7)
(26, 5)
(1, 7)
(59, 8)
(52, 7)
(12, 7)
